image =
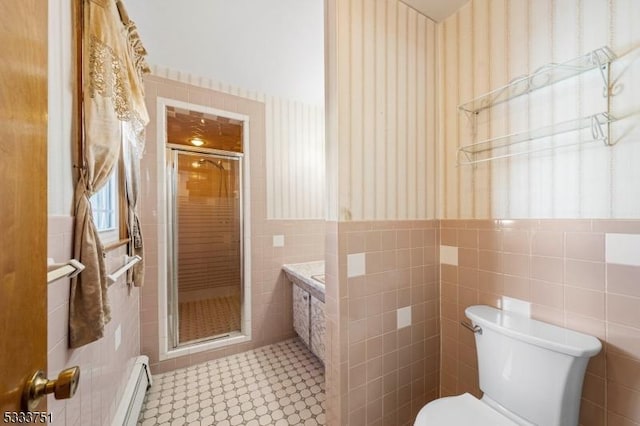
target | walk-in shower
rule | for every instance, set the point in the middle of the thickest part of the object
(205, 288)
(206, 235)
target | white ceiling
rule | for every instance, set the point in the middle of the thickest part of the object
(438, 10)
(275, 47)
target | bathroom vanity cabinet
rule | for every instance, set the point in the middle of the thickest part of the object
(302, 314)
(308, 304)
(317, 328)
(309, 320)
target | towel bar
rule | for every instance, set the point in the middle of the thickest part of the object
(55, 271)
(129, 262)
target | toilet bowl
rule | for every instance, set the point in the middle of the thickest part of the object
(530, 372)
(463, 409)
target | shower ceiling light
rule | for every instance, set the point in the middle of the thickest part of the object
(195, 164)
(196, 141)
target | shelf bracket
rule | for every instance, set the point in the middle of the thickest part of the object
(469, 114)
(604, 73)
(596, 130)
(598, 133)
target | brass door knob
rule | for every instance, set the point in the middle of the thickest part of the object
(38, 386)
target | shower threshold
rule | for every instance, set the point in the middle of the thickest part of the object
(206, 339)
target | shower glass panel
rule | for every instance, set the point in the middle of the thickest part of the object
(206, 246)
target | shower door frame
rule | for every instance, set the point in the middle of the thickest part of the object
(173, 152)
(165, 347)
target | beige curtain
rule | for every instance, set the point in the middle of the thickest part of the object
(112, 94)
(131, 156)
(134, 143)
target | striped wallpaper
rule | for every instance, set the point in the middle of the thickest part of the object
(488, 43)
(381, 69)
(294, 149)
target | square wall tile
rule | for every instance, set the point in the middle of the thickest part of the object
(585, 246)
(356, 265)
(278, 241)
(404, 317)
(623, 279)
(518, 306)
(449, 255)
(623, 249)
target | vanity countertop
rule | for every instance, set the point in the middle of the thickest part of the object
(308, 275)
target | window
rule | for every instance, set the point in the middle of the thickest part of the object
(104, 204)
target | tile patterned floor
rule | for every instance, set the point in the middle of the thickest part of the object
(280, 384)
(209, 317)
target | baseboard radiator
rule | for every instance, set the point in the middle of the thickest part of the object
(133, 396)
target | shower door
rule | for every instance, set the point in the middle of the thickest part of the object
(205, 253)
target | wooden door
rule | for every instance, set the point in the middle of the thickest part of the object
(23, 206)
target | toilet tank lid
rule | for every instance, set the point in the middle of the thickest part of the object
(535, 332)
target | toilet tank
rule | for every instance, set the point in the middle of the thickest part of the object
(530, 368)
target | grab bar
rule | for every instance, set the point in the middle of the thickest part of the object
(474, 328)
(129, 262)
(55, 271)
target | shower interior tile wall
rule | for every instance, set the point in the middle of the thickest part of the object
(561, 267)
(104, 368)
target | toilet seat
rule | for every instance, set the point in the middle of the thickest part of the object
(462, 410)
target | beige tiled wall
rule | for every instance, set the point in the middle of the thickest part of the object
(560, 267)
(104, 370)
(271, 293)
(384, 374)
(333, 362)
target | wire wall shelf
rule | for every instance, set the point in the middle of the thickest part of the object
(514, 144)
(543, 77)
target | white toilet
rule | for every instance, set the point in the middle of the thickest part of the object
(531, 373)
